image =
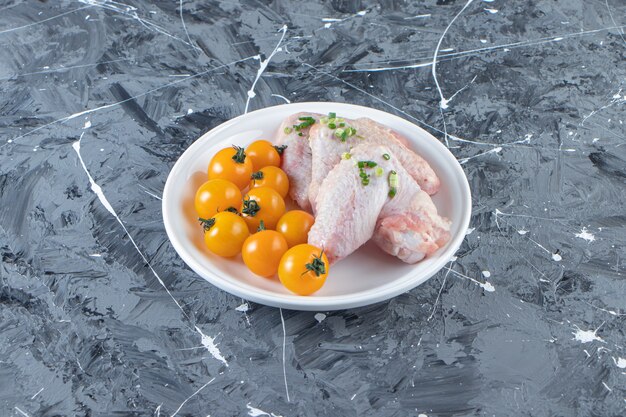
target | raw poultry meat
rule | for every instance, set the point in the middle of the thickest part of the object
(296, 158)
(350, 213)
(326, 150)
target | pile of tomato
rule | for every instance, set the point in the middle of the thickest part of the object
(242, 210)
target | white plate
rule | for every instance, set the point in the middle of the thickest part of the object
(365, 277)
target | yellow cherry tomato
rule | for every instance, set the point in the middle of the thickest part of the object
(272, 177)
(225, 233)
(233, 165)
(262, 252)
(216, 195)
(265, 204)
(303, 269)
(263, 154)
(295, 226)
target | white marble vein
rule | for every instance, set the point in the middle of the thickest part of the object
(44, 20)
(505, 47)
(620, 30)
(207, 341)
(585, 235)
(209, 344)
(554, 255)
(263, 65)
(443, 284)
(61, 68)
(131, 11)
(22, 412)
(283, 97)
(487, 286)
(444, 102)
(105, 202)
(587, 336)
(257, 412)
(117, 103)
(36, 394)
(282, 320)
(191, 396)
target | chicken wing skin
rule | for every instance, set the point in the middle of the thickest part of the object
(350, 213)
(296, 158)
(326, 152)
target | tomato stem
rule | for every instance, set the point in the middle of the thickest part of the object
(250, 207)
(280, 149)
(317, 266)
(232, 210)
(261, 226)
(257, 175)
(240, 154)
(206, 223)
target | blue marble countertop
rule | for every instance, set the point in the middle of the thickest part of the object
(100, 317)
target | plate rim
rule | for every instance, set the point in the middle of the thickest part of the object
(317, 303)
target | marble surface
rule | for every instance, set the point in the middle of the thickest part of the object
(100, 317)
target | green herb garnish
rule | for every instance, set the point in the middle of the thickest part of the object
(386, 156)
(365, 177)
(393, 183)
(306, 121)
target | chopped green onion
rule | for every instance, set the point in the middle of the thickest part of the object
(288, 130)
(361, 164)
(306, 121)
(386, 156)
(379, 171)
(346, 155)
(332, 125)
(339, 132)
(342, 124)
(351, 131)
(393, 183)
(340, 119)
(365, 181)
(300, 134)
(371, 164)
(332, 115)
(324, 120)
